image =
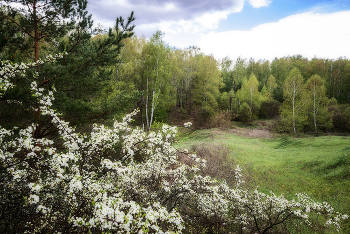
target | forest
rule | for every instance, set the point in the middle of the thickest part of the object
(304, 96)
(86, 136)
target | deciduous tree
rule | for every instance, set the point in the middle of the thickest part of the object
(320, 115)
(205, 90)
(295, 101)
(156, 75)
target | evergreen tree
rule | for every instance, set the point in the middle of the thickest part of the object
(39, 24)
(49, 27)
(39, 28)
(245, 113)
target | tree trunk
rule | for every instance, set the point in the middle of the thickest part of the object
(147, 120)
(293, 102)
(36, 33)
(314, 94)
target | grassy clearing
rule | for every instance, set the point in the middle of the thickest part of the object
(317, 166)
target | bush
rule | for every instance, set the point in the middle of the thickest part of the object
(221, 120)
(244, 113)
(269, 109)
(341, 116)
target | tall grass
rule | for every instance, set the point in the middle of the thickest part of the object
(318, 166)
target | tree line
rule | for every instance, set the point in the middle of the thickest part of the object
(107, 74)
(304, 95)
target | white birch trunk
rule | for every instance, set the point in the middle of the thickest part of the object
(293, 103)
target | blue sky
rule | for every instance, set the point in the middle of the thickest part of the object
(259, 29)
(276, 10)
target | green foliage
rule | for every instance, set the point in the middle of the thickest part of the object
(340, 116)
(264, 90)
(320, 117)
(205, 91)
(244, 113)
(239, 73)
(82, 76)
(293, 110)
(226, 73)
(250, 94)
(269, 109)
(227, 100)
(156, 77)
(34, 29)
(271, 84)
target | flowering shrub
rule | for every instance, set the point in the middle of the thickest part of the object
(188, 124)
(125, 180)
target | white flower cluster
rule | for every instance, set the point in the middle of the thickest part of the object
(188, 124)
(8, 70)
(125, 180)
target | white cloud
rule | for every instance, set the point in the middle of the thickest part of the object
(183, 33)
(309, 34)
(173, 17)
(259, 3)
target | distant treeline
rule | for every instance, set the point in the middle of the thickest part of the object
(304, 95)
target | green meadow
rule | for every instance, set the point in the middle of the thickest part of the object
(317, 166)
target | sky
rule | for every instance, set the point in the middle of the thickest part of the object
(259, 29)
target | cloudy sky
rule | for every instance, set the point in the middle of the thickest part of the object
(259, 29)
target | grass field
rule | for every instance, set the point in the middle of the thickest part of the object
(317, 166)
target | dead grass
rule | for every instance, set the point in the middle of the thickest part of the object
(218, 165)
(255, 133)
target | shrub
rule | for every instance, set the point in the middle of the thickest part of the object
(341, 116)
(221, 120)
(244, 113)
(269, 109)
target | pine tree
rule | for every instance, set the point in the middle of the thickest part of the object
(39, 24)
(36, 28)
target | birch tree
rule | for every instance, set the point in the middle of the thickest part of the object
(295, 101)
(156, 75)
(239, 72)
(184, 68)
(250, 94)
(318, 106)
(271, 84)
